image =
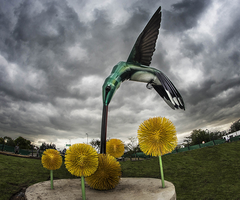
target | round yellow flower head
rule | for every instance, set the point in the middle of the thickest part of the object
(115, 148)
(51, 159)
(107, 175)
(157, 136)
(81, 160)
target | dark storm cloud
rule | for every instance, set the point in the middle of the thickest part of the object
(35, 64)
(212, 89)
(231, 35)
(191, 47)
(110, 42)
(100, 42)
(184, 15)
(38, 43)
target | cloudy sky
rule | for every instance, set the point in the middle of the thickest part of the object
(56, 54)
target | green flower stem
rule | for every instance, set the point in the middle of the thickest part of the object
(51, 175)
(161, 170)
(83, 188)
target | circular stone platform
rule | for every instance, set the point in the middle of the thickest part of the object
(127, 189)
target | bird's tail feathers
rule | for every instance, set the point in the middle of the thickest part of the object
(169, 92)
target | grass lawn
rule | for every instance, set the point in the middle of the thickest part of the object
(16, 173)
(202, 174)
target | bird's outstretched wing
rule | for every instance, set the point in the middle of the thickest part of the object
(168, 92)
(145, 45)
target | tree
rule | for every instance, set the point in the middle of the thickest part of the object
(23, 143)
(52, 146)
(132, 146)
(198, 136)
(1, 140)
(45, 146)
(187, 141)
(235, 126)
(96, 144)
(9, 141)
(216, 135)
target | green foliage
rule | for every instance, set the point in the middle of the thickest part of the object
(132, 146)
(23, 143)
(9, 141)
(198, 136)
(235, 126)
(96, 144)
(45, 146)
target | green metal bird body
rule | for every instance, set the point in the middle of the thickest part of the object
(136, 68)
(133, 72)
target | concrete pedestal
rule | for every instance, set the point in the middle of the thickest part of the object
(127, 189)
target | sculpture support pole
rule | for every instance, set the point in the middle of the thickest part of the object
(51, 177)
(104, 129)
(83, 188)
(161, 170)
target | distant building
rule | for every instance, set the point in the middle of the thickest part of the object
(237, 133)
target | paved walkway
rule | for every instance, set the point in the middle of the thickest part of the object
(18, 155)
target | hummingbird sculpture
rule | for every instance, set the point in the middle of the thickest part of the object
(136, 68)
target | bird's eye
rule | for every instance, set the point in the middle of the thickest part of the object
(108, 88)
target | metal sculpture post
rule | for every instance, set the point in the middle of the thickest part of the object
(104, 129)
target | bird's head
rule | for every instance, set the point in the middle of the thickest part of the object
(111, 84)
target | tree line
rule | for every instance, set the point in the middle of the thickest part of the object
(20, 141)
(24, 143)
(197, 136)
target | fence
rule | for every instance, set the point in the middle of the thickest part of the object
(207, 144)
(189, 148)
(134, 156)
(27, 152)
(11, 149)
(232, 139)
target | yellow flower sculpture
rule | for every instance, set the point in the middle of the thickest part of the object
(157, 136)
(115, 148)
(107, 175)
(51, 159)
(81, 160)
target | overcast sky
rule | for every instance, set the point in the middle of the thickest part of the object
(56, 54)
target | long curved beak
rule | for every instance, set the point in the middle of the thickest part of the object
(108, 92)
